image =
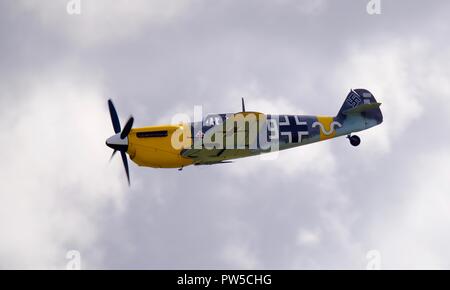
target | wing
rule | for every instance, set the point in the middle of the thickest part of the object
(215, 156)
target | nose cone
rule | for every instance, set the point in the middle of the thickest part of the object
(116, 143)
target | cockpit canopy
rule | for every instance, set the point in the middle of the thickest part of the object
(219, 119)
(216, 119)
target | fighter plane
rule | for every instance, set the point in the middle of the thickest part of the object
(219, 138)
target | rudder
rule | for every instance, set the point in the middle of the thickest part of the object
(361, 101)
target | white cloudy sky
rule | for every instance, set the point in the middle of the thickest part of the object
(320, 206)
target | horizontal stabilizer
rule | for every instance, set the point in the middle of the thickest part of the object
(362, 108)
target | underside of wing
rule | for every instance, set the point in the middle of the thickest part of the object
(215, 156)
(213, 162)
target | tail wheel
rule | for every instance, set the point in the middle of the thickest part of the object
(354, 140)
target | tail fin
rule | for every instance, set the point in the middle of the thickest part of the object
(361, 101)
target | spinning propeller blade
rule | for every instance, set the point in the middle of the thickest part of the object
(118, 142)
(114, 117)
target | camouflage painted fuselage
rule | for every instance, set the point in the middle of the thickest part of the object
(276, 132)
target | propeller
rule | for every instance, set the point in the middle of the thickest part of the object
(119, 141)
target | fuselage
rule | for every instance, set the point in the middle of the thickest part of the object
(153, 146)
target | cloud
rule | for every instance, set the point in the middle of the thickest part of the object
(319, 206)
(311, 7)
(416, 234)
(54, 174)
(102, 21)
(308, 237)
(239, 256)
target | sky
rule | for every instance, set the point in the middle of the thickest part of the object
(323, 206)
